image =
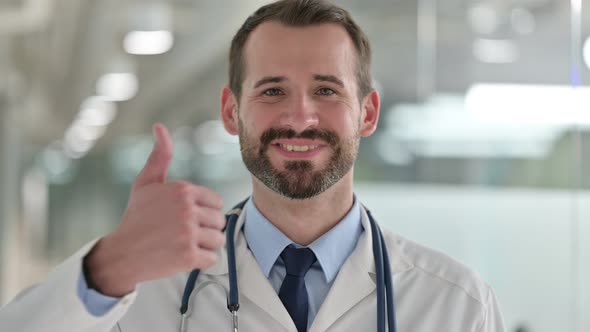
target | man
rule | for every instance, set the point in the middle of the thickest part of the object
(300, 99)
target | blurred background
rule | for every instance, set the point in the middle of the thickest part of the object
(481, 152)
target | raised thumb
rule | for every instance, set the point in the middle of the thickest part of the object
(156, 167)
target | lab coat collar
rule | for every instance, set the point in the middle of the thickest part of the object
(361, 257)
(399, 260)
(342, 297)
(252, 282)
(358, 270)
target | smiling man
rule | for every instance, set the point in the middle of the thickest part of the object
(300, 113)
(300, 99)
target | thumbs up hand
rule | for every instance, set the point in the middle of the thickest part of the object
(168, 227)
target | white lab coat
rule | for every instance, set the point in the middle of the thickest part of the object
(432, 293)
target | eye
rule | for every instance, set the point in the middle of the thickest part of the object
(325, 92)
(272, 92)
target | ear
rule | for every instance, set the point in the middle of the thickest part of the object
(370, 113)
(229, 107)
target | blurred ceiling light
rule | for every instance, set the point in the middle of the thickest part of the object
(523, 21)
(97, 111)
(495, 51)
(529, 104)
(76, 148)
(87, 133)
(148, 42)
(95, 114)
(586, 52)
(117, 86)
(576, 6)
(483, 19)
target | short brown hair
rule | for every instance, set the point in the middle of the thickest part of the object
(301, 13)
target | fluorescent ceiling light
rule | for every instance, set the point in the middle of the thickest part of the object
(74, 147)
(495, 50)
(87, 133)
(97, 111)
(576, 6)
(148, 42)
(117, 86)
(95, 114)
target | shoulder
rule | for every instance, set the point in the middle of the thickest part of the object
(437, 269)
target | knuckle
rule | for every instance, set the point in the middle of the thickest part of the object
(221, 221)
(186, 213)
(198, 214)
(182, 189)
(200, 259)
(189, 257)
(219, 200)
(204, 194)
(186, 231)
(209, 259)
(216, 198)
(219, 239)
(199, 192)
(186, 240)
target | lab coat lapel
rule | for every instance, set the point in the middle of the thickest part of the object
(356, 279)
(352, 284)
(255, 286)
(252, 283)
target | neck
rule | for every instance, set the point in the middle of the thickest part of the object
(304, 221)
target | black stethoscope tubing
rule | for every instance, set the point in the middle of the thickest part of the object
(385, 303)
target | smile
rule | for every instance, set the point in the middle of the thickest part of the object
(298, 148)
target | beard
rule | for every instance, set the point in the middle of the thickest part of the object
(300, 179)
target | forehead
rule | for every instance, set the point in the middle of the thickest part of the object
(277, 49)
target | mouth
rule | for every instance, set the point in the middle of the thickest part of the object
(298, 150)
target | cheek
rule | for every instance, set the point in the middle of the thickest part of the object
(260, 117)
(255, 124)
(343, 120)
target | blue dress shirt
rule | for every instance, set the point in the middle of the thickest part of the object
(97, 304)
(331, 250)
(266, 243)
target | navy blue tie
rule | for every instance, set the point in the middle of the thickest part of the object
(293, 292)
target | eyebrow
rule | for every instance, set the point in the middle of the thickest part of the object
(329, 78)
(317, 77)
(269, 79)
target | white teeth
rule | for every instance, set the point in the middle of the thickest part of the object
(298, 148)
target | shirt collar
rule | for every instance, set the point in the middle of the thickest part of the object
(332, 249)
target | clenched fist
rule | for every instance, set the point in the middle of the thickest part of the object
(168, 227)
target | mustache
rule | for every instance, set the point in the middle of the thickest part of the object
(272, 134)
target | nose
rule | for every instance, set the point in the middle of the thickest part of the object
(301, 114)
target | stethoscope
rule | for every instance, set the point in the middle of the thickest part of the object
(384, 282)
